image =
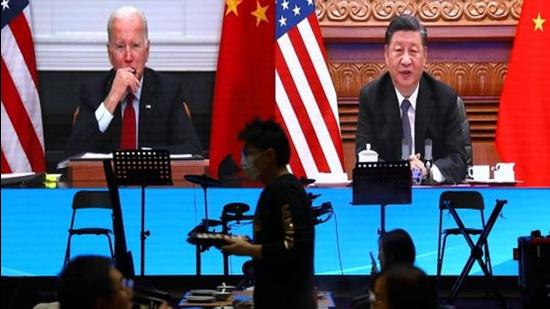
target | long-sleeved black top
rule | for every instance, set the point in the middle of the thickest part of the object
(283, 225)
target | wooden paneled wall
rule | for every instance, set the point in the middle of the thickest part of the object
(469, 46)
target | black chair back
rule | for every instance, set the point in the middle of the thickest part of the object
(92, 199)
(462, 200)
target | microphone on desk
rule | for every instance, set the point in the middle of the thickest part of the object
(428, 150)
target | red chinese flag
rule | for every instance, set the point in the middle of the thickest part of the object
(523, 129)
(245, 80)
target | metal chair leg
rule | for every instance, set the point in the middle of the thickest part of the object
(439, 261)
(110, 246)
(440, 268)
(68, 251)
(488, 257)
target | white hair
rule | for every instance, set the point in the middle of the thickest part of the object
(126, 12)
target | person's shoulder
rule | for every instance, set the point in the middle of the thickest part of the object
(289, 185)
(161, 78)
(284, 183)
(377, 84)
(438, 87)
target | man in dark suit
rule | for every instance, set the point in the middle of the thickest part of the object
(132, 106)
(431, 108)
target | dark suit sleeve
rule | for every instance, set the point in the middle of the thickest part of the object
(453, 164)
(364, 133)
(298, 236)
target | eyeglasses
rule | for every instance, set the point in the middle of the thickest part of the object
(127, 283)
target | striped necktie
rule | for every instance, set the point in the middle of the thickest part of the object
(406, 126)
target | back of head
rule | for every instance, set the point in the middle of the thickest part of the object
(408, 287)
(406, 23)
(265, 135)
(397, 247)
(84, 281)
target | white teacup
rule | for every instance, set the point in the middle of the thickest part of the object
(504, 172)
(479, 172)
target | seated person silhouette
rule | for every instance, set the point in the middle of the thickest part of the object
(394, 247)
(402, 286)
(90, 282)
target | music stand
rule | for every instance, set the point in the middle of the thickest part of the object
(142, 168)
(382, 183)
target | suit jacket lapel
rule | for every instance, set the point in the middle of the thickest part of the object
(146, 105)
(393, 117)
(424, 105)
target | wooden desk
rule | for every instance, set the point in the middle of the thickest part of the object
(89, 173)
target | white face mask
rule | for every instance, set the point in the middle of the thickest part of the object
(250, 170)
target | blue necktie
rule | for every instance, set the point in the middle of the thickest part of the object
(405, 124)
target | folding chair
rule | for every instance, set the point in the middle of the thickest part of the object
(451, 201)
(470, 200)
(86, 199)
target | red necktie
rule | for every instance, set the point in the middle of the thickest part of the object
(128, 132)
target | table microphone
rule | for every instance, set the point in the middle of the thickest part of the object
(428, 157)
(428, 150)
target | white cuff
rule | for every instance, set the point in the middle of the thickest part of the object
(436, 174)
(103, 117)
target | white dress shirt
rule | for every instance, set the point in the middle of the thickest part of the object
(435, 172)
(104, 117)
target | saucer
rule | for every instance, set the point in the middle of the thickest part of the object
(200, 299)
(494, 182)
(202, 292)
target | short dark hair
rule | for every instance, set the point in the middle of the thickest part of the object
(398, 248)
(85, 280)
(267, 134)
(408, 287)
(406, 23)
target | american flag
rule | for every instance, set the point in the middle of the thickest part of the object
(22, 135)
(305, 95)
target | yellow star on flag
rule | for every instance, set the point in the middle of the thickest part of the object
(538, 22)
(232, 6)
(260, 13)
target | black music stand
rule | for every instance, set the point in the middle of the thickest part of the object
(142, 168)
(382, 183)
(476, 253)
(124, 260)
